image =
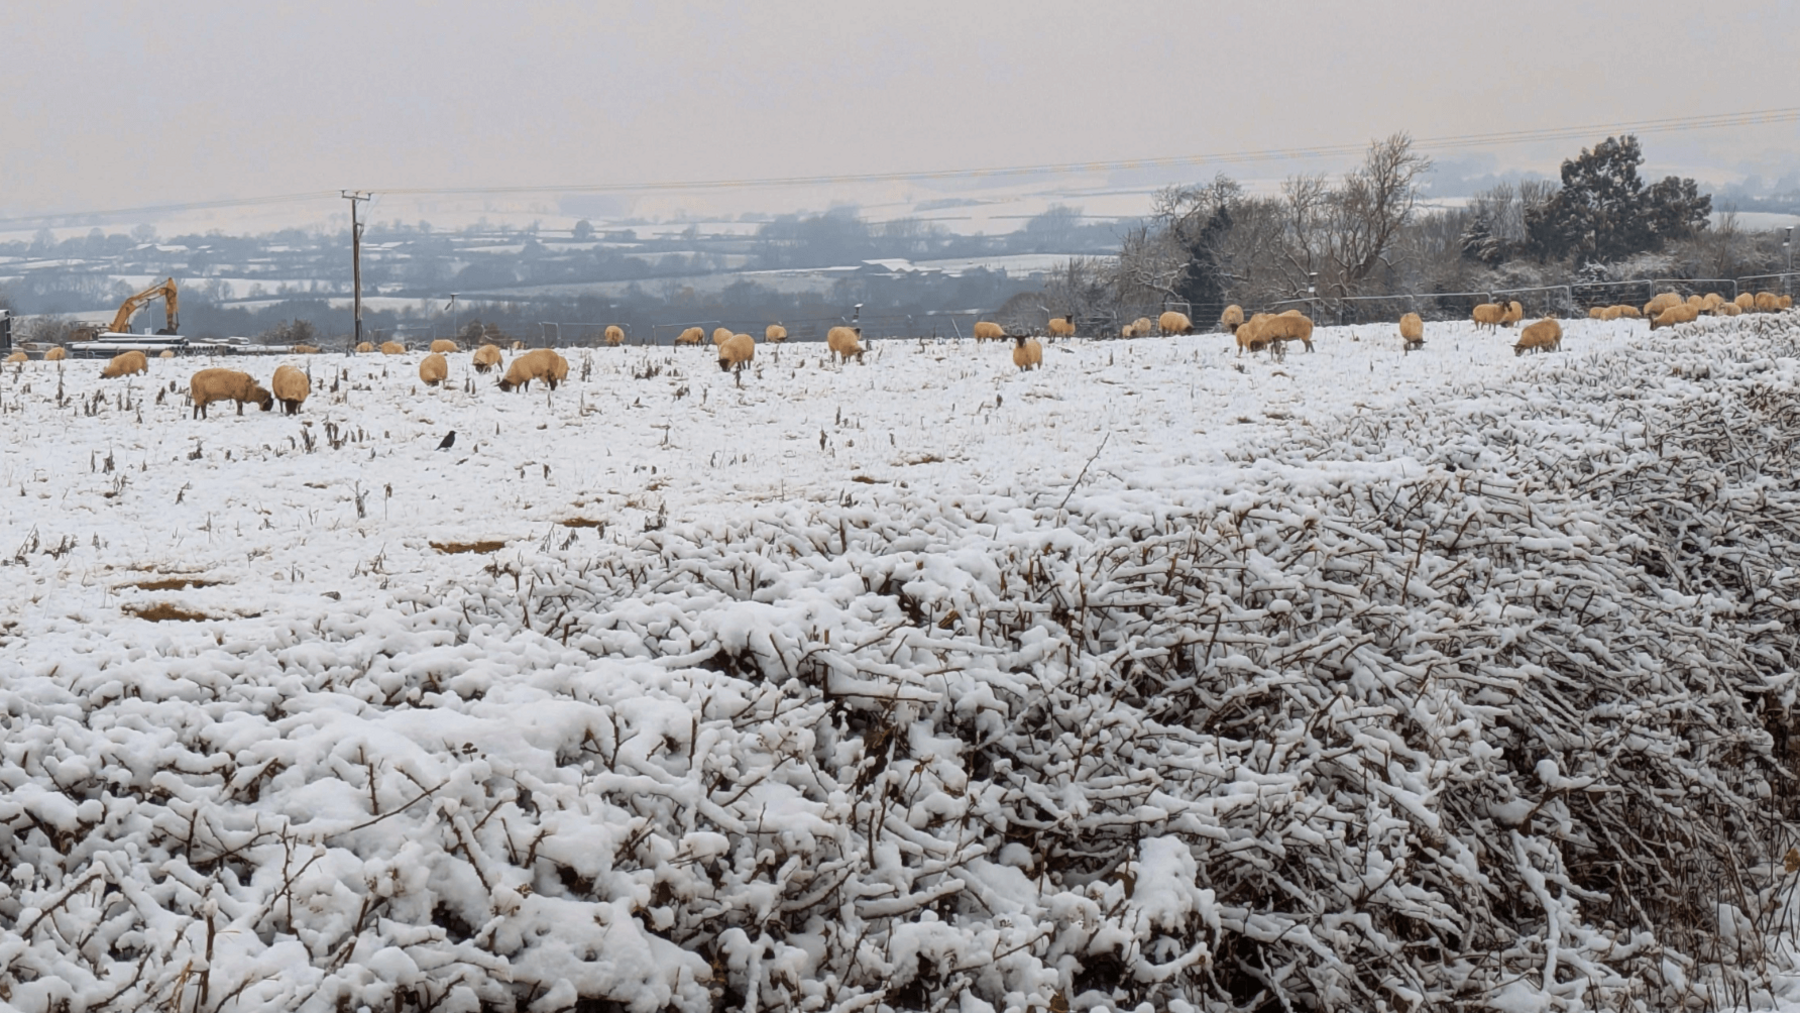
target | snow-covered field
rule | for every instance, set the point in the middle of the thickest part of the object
(1158, 676)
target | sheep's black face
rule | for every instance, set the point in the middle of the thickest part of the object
(724, 364)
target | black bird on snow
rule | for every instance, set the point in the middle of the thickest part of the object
(449, 440)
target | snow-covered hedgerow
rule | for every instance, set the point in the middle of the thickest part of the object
(1480, 705)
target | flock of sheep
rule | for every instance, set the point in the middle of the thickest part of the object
(1262, 331)
(1273, 331)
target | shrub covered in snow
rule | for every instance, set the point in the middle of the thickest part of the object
(1483, 704)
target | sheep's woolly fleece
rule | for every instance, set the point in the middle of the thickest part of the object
(1142, 682)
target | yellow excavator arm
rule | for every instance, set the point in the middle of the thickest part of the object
(165, 291)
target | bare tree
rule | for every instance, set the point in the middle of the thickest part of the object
(1368, 211)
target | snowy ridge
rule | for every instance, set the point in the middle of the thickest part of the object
(1477, 703)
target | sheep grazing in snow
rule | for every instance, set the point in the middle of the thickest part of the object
(1710, 302)
(1172, 322)
(1679, 313)
(987, 330)
(1290, 326)
(1766, 302)
(290, 387)
(615, 335)
(1661, 301)
(843, 343)
(125, 364)
(1249, 334)
(167, 353)
(1728, 309)
(1231, 318)
(1062, 327)
(1489, 315)
(691, 336)
(211, 385)
(1597, 312)
(56, 354)
(306, 350)
(736, 353)
(1127, 331)
(1412, 331)
(486, 358)
(721, 335)
(1745, 301)
(1027, 353)
(1543, 336)
(1785, 302)
(433, 369)
(392, 348)
(1142, 326)
(1631, 313)
(1514, 313)
(538, 364)
(444, 346)
(18, 356)
(365, 348)
(1609, 312)
(775, 333)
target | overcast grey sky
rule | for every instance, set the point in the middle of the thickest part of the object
(126, 104)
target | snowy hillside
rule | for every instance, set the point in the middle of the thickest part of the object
(1157, 679)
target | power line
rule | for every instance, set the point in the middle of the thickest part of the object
(1677, 124)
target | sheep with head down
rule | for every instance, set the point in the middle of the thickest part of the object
(1412, 331)
(1172, 322)
(167, 353)
(615, 335)
(691, 336)
(1728, 309)
(434, 369)
(57, 353)
(444, 346)
(1488, 315)
(538, 364)
(1514, 313)
(1596, 312)
(1661, 301)
(720, 335)
(1766, 302)
(364, 348)
(1290, 326)
(1631, 313)
(987, 330)
(392, 348)
(125, 364)
(211, 385)
(290, 387)
(1679, 313)
(843, 342)
(17, 356)
(1543, 336)
(775, 334)
(1249, 334)
(1231, 318)
(486, 357)
(1785, 302)
(735, 354)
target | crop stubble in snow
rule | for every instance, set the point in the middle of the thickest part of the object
(1477, 697)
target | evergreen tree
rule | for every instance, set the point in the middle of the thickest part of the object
(1604, 211)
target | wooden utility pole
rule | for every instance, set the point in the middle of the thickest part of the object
(354, 197)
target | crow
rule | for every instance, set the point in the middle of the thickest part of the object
(449, 440)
